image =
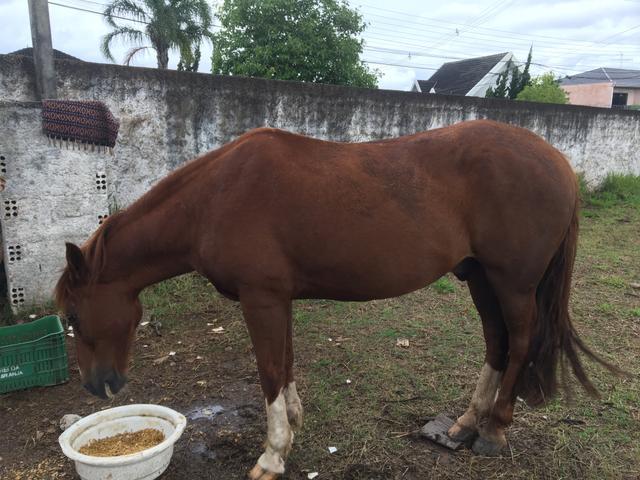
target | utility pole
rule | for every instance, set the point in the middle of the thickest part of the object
(42, 49)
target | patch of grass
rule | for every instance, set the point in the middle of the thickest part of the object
(606, 307)
(613, 281)
(172, 299)
(582, 184)
(615, 189)
(389, 333)
(395, 333)
(635, 312)
(443, 285)
(304, 318)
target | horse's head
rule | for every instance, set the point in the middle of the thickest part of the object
(104, 317)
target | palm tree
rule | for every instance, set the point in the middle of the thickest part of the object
(164, 25)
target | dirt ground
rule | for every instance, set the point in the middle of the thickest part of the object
(225, 410)
(362, 392)
(218, 392)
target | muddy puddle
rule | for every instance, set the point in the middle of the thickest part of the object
(220, 432)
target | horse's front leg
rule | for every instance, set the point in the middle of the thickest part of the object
(267, 316)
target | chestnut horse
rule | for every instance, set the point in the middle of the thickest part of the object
(274, 216)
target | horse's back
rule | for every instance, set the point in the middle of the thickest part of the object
(367, 220)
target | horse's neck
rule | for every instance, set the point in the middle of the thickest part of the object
(146, 249)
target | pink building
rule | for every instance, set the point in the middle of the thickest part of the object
(604, 87)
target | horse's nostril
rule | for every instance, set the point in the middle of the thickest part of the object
(115, 383)
(96, 390)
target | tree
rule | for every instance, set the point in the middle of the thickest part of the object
(165, 25)
(517, 80)
(304, 40)
(525, 78)
(545, 89)
(500, 90)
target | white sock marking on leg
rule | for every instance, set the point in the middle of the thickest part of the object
(482, 400)
(279, 436)
(486, 389)
(294, 405)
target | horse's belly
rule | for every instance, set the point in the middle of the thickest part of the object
(384, 278)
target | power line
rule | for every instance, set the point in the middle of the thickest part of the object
(476, 22)
(407, 53)
(98, 13)
(378, 33)
(418, 67)
(104, 14)
(566, 49)
(93, 2)
(410, 44)
(502, 43)
(426, 33)
(412, 20)
(615, 35)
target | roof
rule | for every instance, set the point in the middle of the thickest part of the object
(457, 78)
(28, 52)
(620, 77)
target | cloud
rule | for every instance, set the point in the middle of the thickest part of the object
(15, 26)
(396, 78)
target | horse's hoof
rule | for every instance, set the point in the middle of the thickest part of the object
(460, 433)
(486, 448)
(259, 473)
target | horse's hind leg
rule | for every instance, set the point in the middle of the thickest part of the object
(267, 318)
(519, 311)
(495, 334)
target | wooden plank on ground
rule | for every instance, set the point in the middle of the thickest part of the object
(436, 431)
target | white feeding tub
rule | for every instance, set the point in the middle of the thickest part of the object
(144, 465)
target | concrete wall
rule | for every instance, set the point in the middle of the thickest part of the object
(52, 196)
(168, 117)
(590, 94)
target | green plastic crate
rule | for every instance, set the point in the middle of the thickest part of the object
(33, 354)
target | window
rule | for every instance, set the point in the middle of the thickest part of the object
(619, 100)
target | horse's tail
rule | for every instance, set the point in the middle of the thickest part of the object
(555, 339)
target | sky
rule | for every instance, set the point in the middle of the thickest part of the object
(406, 40)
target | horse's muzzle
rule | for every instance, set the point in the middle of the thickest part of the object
(105, 383)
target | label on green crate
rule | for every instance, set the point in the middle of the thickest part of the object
(12, 371)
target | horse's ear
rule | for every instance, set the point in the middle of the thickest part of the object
(76, 263)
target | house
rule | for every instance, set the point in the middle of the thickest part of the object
(604, 87)
(471, 77)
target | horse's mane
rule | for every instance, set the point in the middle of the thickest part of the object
(95, 257)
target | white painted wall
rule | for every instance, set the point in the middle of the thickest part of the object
(51, 197)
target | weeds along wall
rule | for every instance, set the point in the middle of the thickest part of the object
(169, 117)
